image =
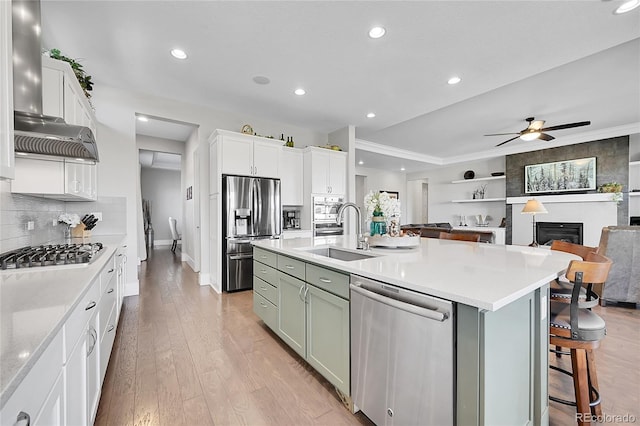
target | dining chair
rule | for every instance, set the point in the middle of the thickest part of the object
(460, 237)
(174, 233)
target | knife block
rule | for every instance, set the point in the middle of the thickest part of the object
(80, 231)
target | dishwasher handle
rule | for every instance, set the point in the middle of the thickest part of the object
(408, 307)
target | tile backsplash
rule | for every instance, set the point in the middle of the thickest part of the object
(17, 210)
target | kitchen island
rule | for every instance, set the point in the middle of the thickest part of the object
(501, 324)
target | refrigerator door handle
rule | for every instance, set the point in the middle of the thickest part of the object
(241, 256)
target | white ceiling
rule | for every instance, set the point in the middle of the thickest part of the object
(163, 128)
(560, 61)
(159, 160)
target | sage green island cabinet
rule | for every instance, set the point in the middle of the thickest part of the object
(311, 306)
(499, 294)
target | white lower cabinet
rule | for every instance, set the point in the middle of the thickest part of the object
(94, 381)
(52, 412)
(64, 385)
(39, 398)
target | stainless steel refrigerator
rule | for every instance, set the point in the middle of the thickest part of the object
(251, 210)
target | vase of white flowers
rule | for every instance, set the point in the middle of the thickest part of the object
(382, 209)
(71, 220)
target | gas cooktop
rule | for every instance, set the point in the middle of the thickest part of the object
(50, 255)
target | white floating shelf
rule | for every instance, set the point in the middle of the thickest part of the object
(479, 200)
(479, 179)
(634, 194)
(634, 163)
(564, 198)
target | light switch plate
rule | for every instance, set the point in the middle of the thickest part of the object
(31, 225)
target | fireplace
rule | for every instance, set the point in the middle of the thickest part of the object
(565, 231)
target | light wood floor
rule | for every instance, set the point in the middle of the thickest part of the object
(186, 355)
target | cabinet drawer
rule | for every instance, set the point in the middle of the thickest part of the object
(107, 274)
(76, 324)
(266, 290)
(265, 310)
(107, 303)
(267, 257)
(107, 339)
(265, 273)
(291, 266)
(332, 281)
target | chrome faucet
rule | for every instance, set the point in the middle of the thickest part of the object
(363, 244)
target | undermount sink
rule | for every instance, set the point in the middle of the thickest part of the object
(339, 254)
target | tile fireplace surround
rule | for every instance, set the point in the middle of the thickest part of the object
(595, 211)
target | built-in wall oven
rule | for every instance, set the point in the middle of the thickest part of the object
(325, 213)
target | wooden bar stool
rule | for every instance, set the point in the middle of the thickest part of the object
(460, 237)
(580, 331)
(561, 288)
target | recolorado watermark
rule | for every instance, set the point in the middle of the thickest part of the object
(606, 418)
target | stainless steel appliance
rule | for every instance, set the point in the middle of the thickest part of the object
(290, 219)
(251, 210)
(325, 212)
(36, 133)
(54, 255)
(402, 355)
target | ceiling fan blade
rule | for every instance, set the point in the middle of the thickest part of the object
(502, 134)
(545, 137)
(566, 126)
(536, 124)
(508, 140)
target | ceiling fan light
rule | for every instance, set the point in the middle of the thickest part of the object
(627, 6)
(530, 136)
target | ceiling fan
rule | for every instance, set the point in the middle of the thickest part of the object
(535, 130)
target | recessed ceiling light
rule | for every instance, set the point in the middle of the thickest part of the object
(143, 118)
(454, 80)
(260, 79)
(627, 6)
(402, 169)
(178, 54)
(377, 32)
(371, 115)
(300, 92)
(361, 162)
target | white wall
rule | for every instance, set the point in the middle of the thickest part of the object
(118, 169)
(380, 180)
(162, 188)
(442, 191)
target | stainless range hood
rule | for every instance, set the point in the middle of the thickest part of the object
(36, 133)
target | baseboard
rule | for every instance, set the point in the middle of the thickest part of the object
(189, 260)
(216, 287)
(132, 288)
(204, 279)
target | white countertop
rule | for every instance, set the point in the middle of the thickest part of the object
(487, 276)
(34, 304)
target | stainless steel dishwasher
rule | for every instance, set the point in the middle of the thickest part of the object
(402, 355)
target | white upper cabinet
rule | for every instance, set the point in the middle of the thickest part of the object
(55, 178)
(291, 176)
(6, 93)
(326, 170)
(62, 95)
(248, 155)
